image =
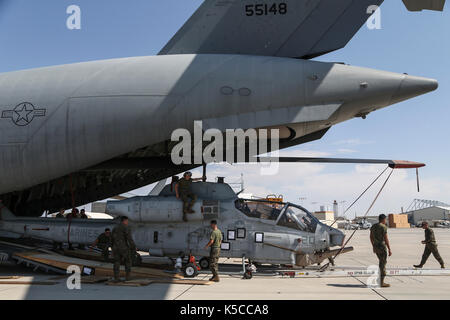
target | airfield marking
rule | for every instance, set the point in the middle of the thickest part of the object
(371, 288)
(177, 297)
(413, 278)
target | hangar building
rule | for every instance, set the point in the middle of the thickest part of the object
(427, 210)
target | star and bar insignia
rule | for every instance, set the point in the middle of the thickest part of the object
(23, 114)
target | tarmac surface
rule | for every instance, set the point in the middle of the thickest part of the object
(406, 247)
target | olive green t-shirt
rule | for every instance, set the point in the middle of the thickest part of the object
(184, 186)
(216, 237)
(378, 231)
(429, 236)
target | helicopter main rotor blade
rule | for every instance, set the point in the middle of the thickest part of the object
(166, 162)
(394, 164)
(119, 198)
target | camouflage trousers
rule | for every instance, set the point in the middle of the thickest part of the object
(381, 252)
(431, 248)
(214, 261)
(121, 257)
(189, 200)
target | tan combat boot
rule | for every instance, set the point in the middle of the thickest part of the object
(385, 285)
(215, 279)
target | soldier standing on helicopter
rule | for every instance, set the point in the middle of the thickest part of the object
(183, 191)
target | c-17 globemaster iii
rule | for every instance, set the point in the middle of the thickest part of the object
(74, 134)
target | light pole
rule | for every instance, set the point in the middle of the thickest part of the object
(342, 204)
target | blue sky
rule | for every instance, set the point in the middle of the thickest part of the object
(34, 34)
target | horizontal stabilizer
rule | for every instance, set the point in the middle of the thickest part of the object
(419, 5)
(282, 28)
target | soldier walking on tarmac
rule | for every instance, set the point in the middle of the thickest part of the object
(183, 191)
(430, 247)
(381, 246)
(214, 243)
(122, 247)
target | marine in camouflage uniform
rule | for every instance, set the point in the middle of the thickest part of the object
(215, 243)
(122, 247)
(103, 242)
(430, 247)
(378, 234)
(184, 192)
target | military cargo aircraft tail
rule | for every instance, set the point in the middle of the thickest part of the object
(281, 28)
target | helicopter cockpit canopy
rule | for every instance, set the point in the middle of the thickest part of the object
(265, 210)
(286, 215)
(296, 217)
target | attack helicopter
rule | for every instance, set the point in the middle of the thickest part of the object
(260, 231)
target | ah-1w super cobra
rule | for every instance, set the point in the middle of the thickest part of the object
(260, 231)
(256, 230)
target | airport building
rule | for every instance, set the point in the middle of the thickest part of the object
(325, 216)
(427, 210)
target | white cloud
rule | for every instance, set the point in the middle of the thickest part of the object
(346, 151)
(352, 142)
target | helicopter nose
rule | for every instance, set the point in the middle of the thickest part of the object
(337, 237)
